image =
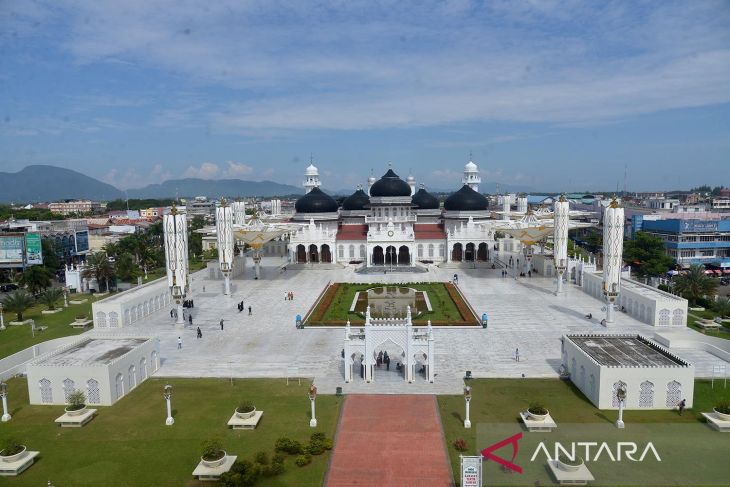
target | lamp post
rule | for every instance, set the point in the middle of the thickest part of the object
(2, 319)
(312, 397)
(4, 394)
(65, 296)
(168, 394)
(621, 395)
(467, 399)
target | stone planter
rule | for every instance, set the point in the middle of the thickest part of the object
(247, 415)
(537, 417)
(76, 412)
(214, 463)
(722, 416)
(569, 468)
(20, 323)
(13, 458)
(80, 320)
(50, 311)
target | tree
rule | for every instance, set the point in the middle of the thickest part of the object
(127, 270)
(722, 307)
(647, 253)
(36, 278)
(50, 255)
(695, 284)
(17, 302)
(100, 268)
(195, 239)
(50, 297)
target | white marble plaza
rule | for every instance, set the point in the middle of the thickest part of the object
(523, 313)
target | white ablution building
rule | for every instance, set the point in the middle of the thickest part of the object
(391, 224)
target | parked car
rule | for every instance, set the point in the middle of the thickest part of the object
(6, 288)
(725, 281)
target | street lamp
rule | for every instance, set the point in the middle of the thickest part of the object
(312, 397)
(2, 319)
(4, 394)
(65, 297)
(168, 394)
(467, 398)
(621, 396)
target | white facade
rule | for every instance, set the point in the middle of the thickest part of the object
(126, 308)
(647, 386)
(105, 368)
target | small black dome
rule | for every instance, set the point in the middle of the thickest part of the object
(390, 185)
(425, 200)
(316, 201)
(466, 199)
(356, 201)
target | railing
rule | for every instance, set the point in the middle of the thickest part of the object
(387, 219)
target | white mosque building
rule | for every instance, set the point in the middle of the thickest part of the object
(392, 224)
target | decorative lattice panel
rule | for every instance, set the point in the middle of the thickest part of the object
(674, 394)
(68, 388)
(92, 392)
(46, 391)
(646, 395)
(664, 317)
(616, 385)
(678, 317)
(113, 320)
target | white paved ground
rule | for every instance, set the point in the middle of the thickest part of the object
(522, 313)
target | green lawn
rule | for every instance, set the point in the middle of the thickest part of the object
(693, 318)
(17, 338)
(444, 309)
(498, 401)
(129, 444)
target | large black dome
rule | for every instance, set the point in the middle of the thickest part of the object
(466, 199)
(425, 200)
(316, 201)
(390, 185)
(356, 201)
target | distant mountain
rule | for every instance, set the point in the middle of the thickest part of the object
(51, 183)
(213, 188)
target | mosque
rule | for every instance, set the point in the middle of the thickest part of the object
(392, 224)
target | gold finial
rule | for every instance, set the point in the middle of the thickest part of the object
(224, 203)
(562, 198)
(614, 202)
(173, 211)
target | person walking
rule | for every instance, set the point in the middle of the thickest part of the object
(179, 343)
(221, 325)
(200, 333)
(249, 310)
(190, 320)
(203, 288)
(517, 354)
(682, 405)
(172, 313)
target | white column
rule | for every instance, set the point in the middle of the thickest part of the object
(560, 239)
(613, 244)
(6, 416)
(313, 421)
(180, 323)
(170, 420)
(467, 421)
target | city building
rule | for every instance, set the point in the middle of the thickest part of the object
(78, 207)
(691, 241)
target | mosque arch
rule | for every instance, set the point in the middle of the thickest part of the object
(301, 254)
(378, 255)
(404, 255)
(313, 253)
(482, 252)
(469, 252)
(326, 254)
(457, 253)
(391, 255)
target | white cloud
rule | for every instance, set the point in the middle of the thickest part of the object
(134, 178)
(207, 170)
(237, 169)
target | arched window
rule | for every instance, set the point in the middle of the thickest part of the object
(678, 317)
(101, 319)
(420, 251)
(674, 394)
(616, 385)
(430, 250)
(646, 394)
(142, 369)
(92, 392)
(120, 385)
(132, 377)
(363, 251)
(153, 362)
(352, 251)
(113, 320)
(68, 388)
(46, 391)
(340, 251)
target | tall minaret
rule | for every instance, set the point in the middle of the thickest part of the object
(412, 183)
(471, 175)
(239, 212)
(371, 181)
(522, 203)
(561, 213)
(175, 227)
(505, 207)
(613, 246)
(311, 177)
(224, 232)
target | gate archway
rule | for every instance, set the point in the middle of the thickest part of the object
(313, 253)
(378, 257)
(326, 254)
(301, 254)
(457, 253)
(391, 256)
(404, 256)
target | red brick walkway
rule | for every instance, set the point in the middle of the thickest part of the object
(389, 440)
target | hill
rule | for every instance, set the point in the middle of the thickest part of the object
(51, 183)
(213, 188)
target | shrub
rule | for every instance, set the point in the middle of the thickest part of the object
(287, 445)
(245, 407)
(262, 458)
(11, 447)
(460, 445)
(242, 474)
(277, 458)
(327, 443)
(277, 468)
(212, 450)
(318, 437)
(537, 408)
(314, 448)
(723, 407)
(567, 461)
(303, 460)
(76, 400)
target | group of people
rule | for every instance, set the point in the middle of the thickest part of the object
(383, 359)
(289, 296)
(188, 303)
(241, 307)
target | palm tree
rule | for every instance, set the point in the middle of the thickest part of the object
(36, 278)
(100, 268)
(50, 296)
(17, 302)
(695, 284)
(722, 307)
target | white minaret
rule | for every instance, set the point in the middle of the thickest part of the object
(505, 207)
(224, 233)
(239, 212)
(412, 183)
(522, 203)
(176, 255)
(311, 178)
(613, 246)
(471, 175)
(371, 181)
(561, 214)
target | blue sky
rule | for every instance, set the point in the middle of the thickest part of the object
(555, 95)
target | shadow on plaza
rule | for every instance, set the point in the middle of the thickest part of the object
(533, 287)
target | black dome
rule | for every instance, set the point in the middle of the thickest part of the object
(425, 200)
(316, 201)
(466, 199)
(356, 201)
(390, 185)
